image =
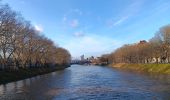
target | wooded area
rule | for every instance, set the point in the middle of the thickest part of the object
(156, 50)
(22, 46)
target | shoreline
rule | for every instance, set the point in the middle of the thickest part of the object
(12, 76)
(147, 68)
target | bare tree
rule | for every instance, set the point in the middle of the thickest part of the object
(21, 46)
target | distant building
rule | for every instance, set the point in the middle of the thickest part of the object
(82, 57)
(142, 42)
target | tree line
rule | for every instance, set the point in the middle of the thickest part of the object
(155, 50)
(22, 46)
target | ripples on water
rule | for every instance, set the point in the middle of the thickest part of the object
(89, 82)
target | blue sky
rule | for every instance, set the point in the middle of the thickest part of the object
(94, 27)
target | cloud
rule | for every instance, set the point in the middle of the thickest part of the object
(67, 20)
(78, 11)
(64, 19)
(91, 45)
(79, 34)
(112, 23)
(74, 23)
(129, 12)
(22, 2)
(74, 12)
(39, 28)
(121, 20)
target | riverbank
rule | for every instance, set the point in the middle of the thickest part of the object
(149, 68)
(10, 76)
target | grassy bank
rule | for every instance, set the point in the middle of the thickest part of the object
(10, 76)
(150, 68)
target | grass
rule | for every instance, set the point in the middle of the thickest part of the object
(10, 76)
(150, 68)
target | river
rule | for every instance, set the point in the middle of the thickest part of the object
(80, 82)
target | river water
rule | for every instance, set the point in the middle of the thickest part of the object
(89, 83)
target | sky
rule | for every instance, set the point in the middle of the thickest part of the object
(94, 27)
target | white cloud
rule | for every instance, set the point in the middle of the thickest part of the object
(74, 23)
(91, 45)
(127, 13)
(112, 23)
(67, 20)
(78, 11)
(121, 20)
(64, 18)
(22, 1)
(39, 28)
(79, 34)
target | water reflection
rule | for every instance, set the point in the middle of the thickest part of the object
(89, 82)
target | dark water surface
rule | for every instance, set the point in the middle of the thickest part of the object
(89, 82)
